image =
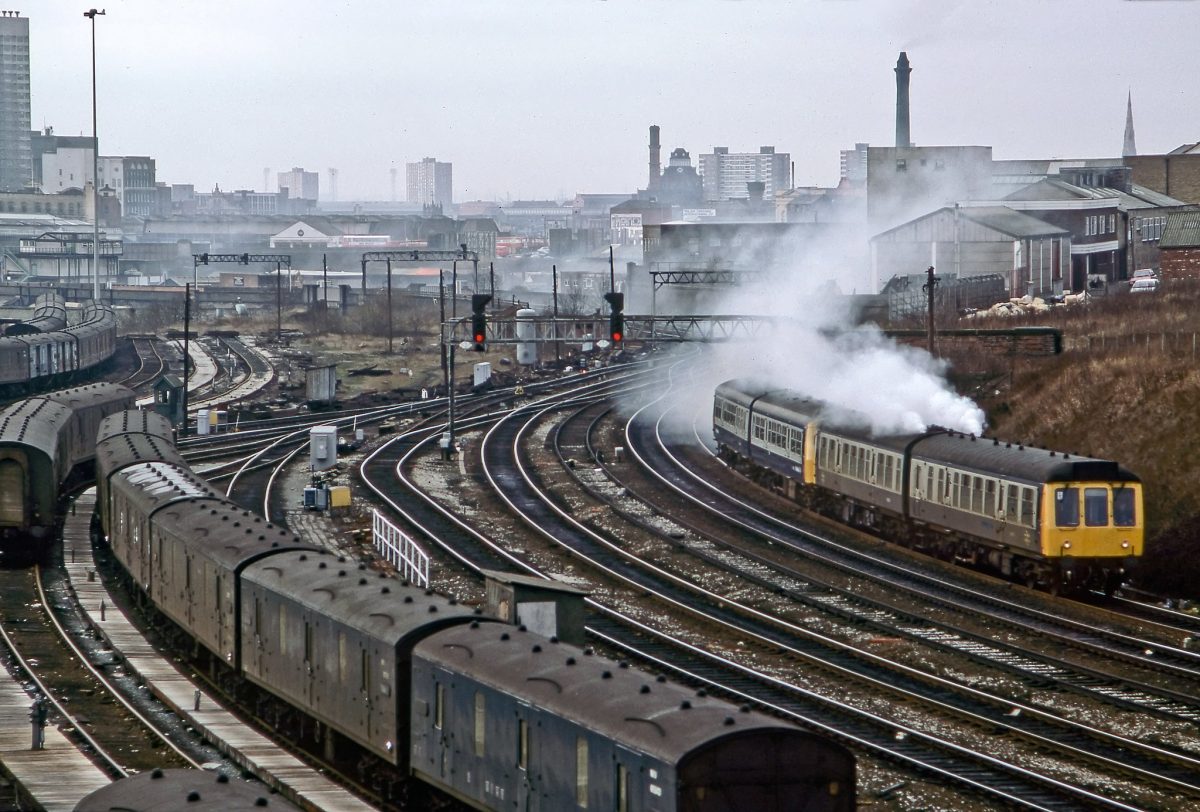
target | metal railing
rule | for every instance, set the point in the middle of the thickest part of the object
(398, 548)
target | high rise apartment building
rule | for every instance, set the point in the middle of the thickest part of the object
(726, 174)
(300, 185)
(430, 183)
(16, 163)
(854, 162)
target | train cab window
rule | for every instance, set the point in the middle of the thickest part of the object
(480, 722)
(1124, 507)
(365, 673)
(581, 772)
(308, 642)
(1066, 507)
(439, 706)
(622, 788)
(522, 744)
(1095, 507)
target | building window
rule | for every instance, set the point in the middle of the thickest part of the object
(901, 165)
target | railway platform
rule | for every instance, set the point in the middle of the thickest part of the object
(59, 775)
(253, 751)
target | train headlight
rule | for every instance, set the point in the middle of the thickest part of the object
(1125, 545)
(1066, 545)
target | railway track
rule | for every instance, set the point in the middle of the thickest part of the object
(1161, 662)
(91, 696)
(1077, 797)
(149, 366)
(936, 698)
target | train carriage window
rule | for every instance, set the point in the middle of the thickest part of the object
(522, 744)
(581, 772)
(1028, 507)
(282, 629)
(1095, 507)
(943, 495)
(480, 721)
(1124, 507)
(622, 788)
(364, 682)
(1011, 504)
(342, 664)
(439, 706)
(1066, 507)
(760, 429)
(990, 504)
(217, 592)
(308, 642)
(977, 494)
(258, 629)
(796, 441)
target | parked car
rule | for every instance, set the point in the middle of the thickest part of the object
(1144, 285)
(1143, 273)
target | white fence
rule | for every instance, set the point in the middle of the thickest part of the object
(403, 553)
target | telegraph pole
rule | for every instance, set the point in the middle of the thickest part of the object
(929, 287)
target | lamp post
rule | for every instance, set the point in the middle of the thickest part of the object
(91, 15)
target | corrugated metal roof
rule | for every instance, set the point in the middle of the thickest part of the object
(1009, 221)
(1182, 230)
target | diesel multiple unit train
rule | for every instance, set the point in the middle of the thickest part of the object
(45, 352)
(1046, 518)
(42, 441)
(496, 716)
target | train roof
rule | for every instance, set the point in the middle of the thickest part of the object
(625, 705)
(92, 394)
(171, 790)
(786, 404)
(1018, 461)
(35, 422)
(151, 485)
(136, 421)
(349, 593)
(224, 532)
(130, 437)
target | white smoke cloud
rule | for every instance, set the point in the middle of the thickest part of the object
(816, 351)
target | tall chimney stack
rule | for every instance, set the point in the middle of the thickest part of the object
(902, 72)
(655, 162)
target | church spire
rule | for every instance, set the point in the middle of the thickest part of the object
(1130, 145)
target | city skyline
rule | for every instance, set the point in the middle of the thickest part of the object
(549, 99)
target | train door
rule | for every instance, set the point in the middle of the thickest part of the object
(628, 787)
(12, 494)
(365, 689)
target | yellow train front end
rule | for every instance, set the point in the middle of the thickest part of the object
(1092, 533)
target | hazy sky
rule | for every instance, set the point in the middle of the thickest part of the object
(545, 98)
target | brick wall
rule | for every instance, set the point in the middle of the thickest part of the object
(1174, 175)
